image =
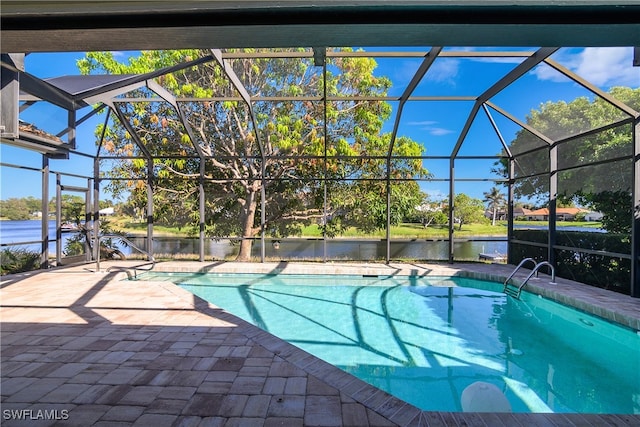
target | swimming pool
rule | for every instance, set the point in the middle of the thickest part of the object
(424, 340)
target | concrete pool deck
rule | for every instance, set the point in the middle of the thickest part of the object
(90, 348)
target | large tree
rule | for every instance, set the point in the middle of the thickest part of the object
(275, 147)
(597, 186)
(19, 208)
(468, 210)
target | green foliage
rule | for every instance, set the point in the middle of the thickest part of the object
(363, 203)
(428, 217)
(74, 245)
(616, 207)
(20, 208)
(25, 207)
(591, 268)
(580, 216)
(495, 200)
(591, 185)
(468, 210)
(72, 209)
(18, 260)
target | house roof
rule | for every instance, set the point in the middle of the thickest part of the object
(559, 211)
(524, 211)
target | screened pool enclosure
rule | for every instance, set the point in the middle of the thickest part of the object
(247, 147)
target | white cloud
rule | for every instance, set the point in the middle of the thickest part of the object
(601, 66)
(430, 128)
(444, 70)
(501, 59)
(423, 123)
(439, 131)
(608, 66)
(435, 194)
(494, 59)
(403, 74)
(545, 72)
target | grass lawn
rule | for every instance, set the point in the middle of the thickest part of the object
(404, 231)
(127, 225)
(416, 231)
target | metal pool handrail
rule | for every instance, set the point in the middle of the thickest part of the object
(538, 266)
(129, 242)
(513, 273)
(516, 292)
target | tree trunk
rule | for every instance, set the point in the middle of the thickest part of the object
(493, 220)
(245, 250)
(247, 216)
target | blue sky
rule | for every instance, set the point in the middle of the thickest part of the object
(434, 124)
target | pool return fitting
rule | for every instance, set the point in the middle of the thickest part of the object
(513, 290)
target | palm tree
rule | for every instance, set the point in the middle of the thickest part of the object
(496, 200)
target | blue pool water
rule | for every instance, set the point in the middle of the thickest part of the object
(425, 339)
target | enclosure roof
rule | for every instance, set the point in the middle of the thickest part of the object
(74, 92)
(135, 25)
(79, 85)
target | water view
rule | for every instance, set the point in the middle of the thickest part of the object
(293, 248)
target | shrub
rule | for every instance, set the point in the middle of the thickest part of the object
(18, 260)
(602, 271)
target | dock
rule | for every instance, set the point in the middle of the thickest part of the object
(495, 257)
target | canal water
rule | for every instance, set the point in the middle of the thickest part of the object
(29, 231)
(336, 249)
(288, 249)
